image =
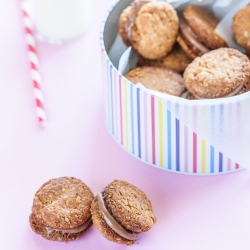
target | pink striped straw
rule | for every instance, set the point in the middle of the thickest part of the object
(34, 62)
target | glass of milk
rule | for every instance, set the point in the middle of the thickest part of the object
(59, 21)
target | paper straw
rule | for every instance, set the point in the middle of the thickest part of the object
(34, 61)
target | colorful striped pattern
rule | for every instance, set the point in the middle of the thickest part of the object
(148, 128)
(144, 125)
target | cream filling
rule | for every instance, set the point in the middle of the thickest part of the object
(70, 231)
(234, 92)
(113, 224)
(191, 37)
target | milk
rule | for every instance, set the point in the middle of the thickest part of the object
(60, 20)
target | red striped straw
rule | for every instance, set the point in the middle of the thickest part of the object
(34, 62)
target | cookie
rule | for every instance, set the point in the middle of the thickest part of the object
(124, 24)
(157, 78)
(246, 87)
(151, 28)
(241, 28)
(189, 48)
(190, 97)
(197, 35)
(61, 209)
(122, 212)
(176, 60)
(219, 73)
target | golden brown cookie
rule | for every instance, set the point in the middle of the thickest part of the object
(176, 60)
(122, 212)
(124, 24)
(219, 73)
(189, 48)
(203, 24)
(157, 78)
(151, 28)
(246, 87)
(61, 209)
(197, 34)
(241, 28)
(190, 97)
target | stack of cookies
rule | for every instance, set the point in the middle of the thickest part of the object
(185, 54)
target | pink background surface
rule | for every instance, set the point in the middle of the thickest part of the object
(196, 213)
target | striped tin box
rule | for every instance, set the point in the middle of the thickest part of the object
(201, 137)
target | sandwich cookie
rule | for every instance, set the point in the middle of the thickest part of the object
(150, 27)
(176, 60)
(241, 28)
(197, 34)
(61, 209)
(220, 73)
(122, 212)
(158, 79)
(246, 87)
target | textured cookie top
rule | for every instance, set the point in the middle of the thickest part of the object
(203, 24)
(217, 73)
(127, 20)
(129, 206)
(155, 30)
(176, 60)
(124, 24)
(63, 203)
(241, 27)
(158, 78)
